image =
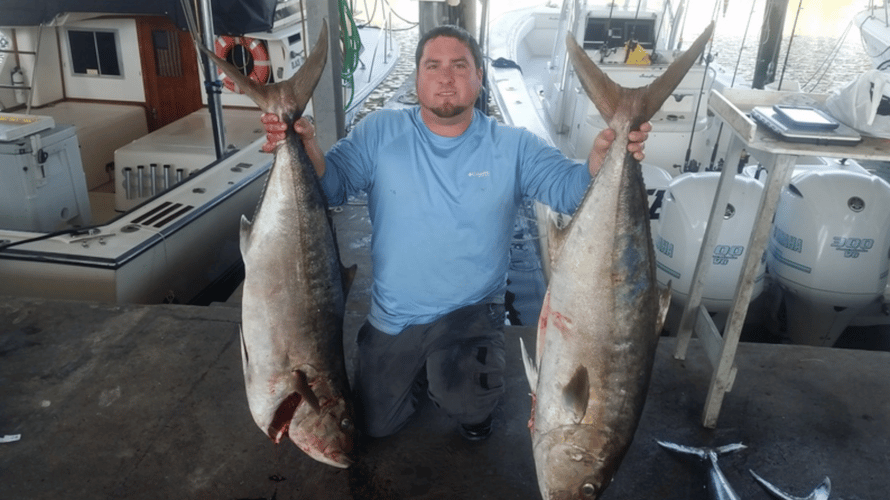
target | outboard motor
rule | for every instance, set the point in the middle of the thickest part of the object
(684, 218)
(656, 180)
(828, 250)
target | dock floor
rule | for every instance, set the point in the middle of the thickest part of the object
(127, 401)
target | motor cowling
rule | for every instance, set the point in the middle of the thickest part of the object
(657, 181)
(684, 218)
(828, 250)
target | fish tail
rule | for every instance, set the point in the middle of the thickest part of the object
(609, 97)
(702, 453)
(286, 99)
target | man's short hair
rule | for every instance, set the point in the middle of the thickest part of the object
(452, 31)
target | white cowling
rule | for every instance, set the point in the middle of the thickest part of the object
(828, 250)
(684, 218)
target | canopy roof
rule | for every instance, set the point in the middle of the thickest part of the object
(231, 17)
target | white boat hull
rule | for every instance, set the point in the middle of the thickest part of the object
(148, 233)
(168, 249)
(874, 29)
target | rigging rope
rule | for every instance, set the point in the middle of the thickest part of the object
(829, 59)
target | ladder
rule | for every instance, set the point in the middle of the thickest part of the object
(18, 67)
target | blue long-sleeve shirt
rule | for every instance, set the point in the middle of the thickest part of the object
(443, 208)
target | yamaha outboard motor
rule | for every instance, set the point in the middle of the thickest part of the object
(828, 250)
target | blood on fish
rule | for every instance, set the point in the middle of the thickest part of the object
(531, 420)
(312, 442)
(545, 313)
(561, 322)
(283, 415)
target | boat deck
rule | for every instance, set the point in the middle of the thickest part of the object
(105, 130)
(101, 129)
(127, 401)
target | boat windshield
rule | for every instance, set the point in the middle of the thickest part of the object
(653, 24)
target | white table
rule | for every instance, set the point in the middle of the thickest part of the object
(779, 158)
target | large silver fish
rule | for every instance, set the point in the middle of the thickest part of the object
(603, 312)
(294, 288)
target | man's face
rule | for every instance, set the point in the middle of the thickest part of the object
(447, 79)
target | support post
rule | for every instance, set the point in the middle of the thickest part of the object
(327, 100)
(770, 43)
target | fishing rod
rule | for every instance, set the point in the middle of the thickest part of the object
(633, 32)
(660, 26)
(735, 73)
(790, 40)
(687, 165)
(607, 34)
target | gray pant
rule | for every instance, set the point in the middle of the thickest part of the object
(462, 352)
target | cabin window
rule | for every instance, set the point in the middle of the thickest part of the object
(94, 53)
(615, 32)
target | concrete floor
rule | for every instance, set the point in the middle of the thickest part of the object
(125, 401)
(147, 402)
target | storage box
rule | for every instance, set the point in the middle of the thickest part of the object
(42, 184)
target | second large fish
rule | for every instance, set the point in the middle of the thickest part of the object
(294, 290)
(603, 312)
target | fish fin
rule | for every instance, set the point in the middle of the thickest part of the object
(531, 372)
(304, 390)
(823, 490)
(608, 96)
(776, 492)
(556, 238)
(664, 303)
(576, 393)
(281, 420)
(702, 453)
(347, 275)
(605, 93)
(244, 235)
(298, 88)
(245, 358)
(820, 493)
(252, 89)
(303, 82)
(659, 90)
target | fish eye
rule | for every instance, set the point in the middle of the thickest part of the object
(588, 491)
(346, 424)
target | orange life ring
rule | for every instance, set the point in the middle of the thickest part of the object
(258, 66)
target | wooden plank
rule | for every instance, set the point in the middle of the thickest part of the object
(710, 337)
(779, 174)
(709, 240)
(733, 116)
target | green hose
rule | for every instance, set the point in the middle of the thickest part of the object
(352, 46)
